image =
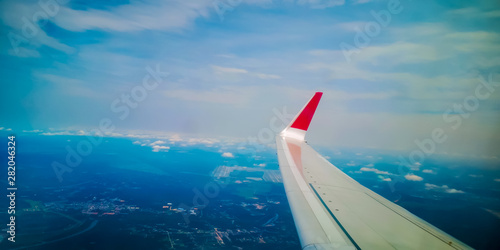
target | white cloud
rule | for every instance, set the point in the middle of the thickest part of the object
(24, 52)
(420, 87)
(206, 141)
(443, 188)
(413, 53)
(12, 14)
(471, 12)
(59, 133)
(343, 95)
(321, 4)
(161, 139)
(32, 131)
(386, 179)
(235, 96)
(339, 95)
(412, 177)
(157, 142)
(454, 191)
(223, 95)
(428, 171)
(353, 26)
(365, 169)
(147, 15)
(492, 14)
(227, 73)
(326, 53)
(223, 70)
(227, 56)
(227, 155)
(361, 1)
(158, 148)
(70, 86)
(385, 54)
(267, 76)
(313, 4)
(260, 165)
(440, 43)
(175, 138)
(476, 176)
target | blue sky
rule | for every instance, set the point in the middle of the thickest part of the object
(228, 71)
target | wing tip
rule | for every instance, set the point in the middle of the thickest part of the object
(304, 118)
(300, 124)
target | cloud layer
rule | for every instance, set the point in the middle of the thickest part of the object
(225, 77)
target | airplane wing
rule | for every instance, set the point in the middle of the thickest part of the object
(333, 211)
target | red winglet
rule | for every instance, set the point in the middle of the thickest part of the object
(304, 118)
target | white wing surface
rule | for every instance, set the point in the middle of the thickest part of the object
(333, 211)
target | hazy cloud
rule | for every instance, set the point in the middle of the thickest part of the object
(412, 177)
(227, 155)
(443, 188)
(365, 169)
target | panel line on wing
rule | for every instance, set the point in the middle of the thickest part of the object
(335, 218)
(332, 232)
(450, 243)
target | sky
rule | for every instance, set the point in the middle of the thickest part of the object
(392, 72)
